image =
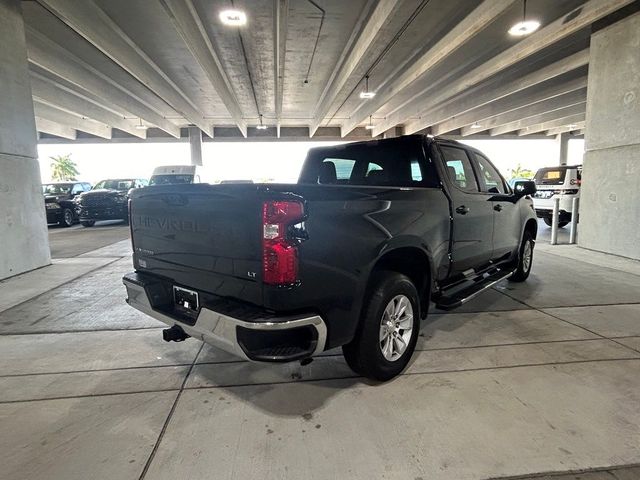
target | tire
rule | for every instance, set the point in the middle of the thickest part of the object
(525, 259)
(392, 294)
(549, 222)
(67, 218)
(88, 223)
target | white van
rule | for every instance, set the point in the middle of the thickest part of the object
(174, 174)
(551, 182)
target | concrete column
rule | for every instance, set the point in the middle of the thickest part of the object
(195, 142)
(562, 146)
(24, 243)
(610, 195)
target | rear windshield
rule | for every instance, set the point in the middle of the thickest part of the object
(115, 184)
(550, 176)
(170, 179)
(398, 163)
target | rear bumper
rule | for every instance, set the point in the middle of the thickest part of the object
(267, 339)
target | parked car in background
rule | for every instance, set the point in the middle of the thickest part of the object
(561, 182)
(58, 201)
(351, 255)
(174, 175)
(107, 201)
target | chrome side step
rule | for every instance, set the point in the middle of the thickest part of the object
(461, 296)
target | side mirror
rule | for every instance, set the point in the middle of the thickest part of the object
(523, 188)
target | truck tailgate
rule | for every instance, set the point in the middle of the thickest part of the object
(200, 235)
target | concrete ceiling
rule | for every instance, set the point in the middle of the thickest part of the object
(448, 67)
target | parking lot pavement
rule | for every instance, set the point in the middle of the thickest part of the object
(77, 240)
(525, 379)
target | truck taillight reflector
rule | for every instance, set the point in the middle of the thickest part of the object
(279, 253)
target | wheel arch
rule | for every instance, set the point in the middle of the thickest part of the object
(411, 261)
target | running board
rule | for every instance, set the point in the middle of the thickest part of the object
(449, 302)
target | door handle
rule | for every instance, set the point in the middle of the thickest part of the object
(497, 208)
(462, 210)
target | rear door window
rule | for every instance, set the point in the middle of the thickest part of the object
(459, 169)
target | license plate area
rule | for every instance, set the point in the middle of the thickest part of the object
(186, 299)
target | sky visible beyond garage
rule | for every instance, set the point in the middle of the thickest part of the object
(266, 161)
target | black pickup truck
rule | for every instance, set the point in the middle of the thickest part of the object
(351, 255)
(107, 201)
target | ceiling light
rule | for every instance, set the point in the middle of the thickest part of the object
(371, 126)
(141, 126)
(476, 125)
(234, 18)
(525, 27)
(521, 29)
(261, 126)
(367, 94)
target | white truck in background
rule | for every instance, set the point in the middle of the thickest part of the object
(175, 175)
(561, 182)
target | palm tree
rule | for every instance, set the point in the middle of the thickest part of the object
(520, 172)
(63, 168)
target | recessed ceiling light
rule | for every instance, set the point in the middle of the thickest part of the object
(367, 94)
(521, 29)
(141, 126)
(476, 125)
(235, 18)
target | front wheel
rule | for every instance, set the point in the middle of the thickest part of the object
(388, 329)
(67, 218)
(525, 259)
(88, 223)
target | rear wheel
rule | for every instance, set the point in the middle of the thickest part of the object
(388, 330)
(525, 260)
(88, 223)
(67, 218)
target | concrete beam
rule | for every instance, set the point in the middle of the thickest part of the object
(92, 23)
(68, 119)
(560, 122)
(474, 23)
(358, 55)
(566, 129)
(46, 126)
(62, 98)
(189, 26)
(482, 95)
(548, 116)
(580, 18)
(280, 22)
(55, 59)
(510, 103)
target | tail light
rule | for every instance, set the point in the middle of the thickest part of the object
(279, 252)
(133, 248)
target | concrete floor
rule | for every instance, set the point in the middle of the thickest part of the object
(528, 378)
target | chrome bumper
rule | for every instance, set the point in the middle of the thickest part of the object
(220, 330)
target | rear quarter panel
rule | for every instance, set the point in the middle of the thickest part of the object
(350, 228)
